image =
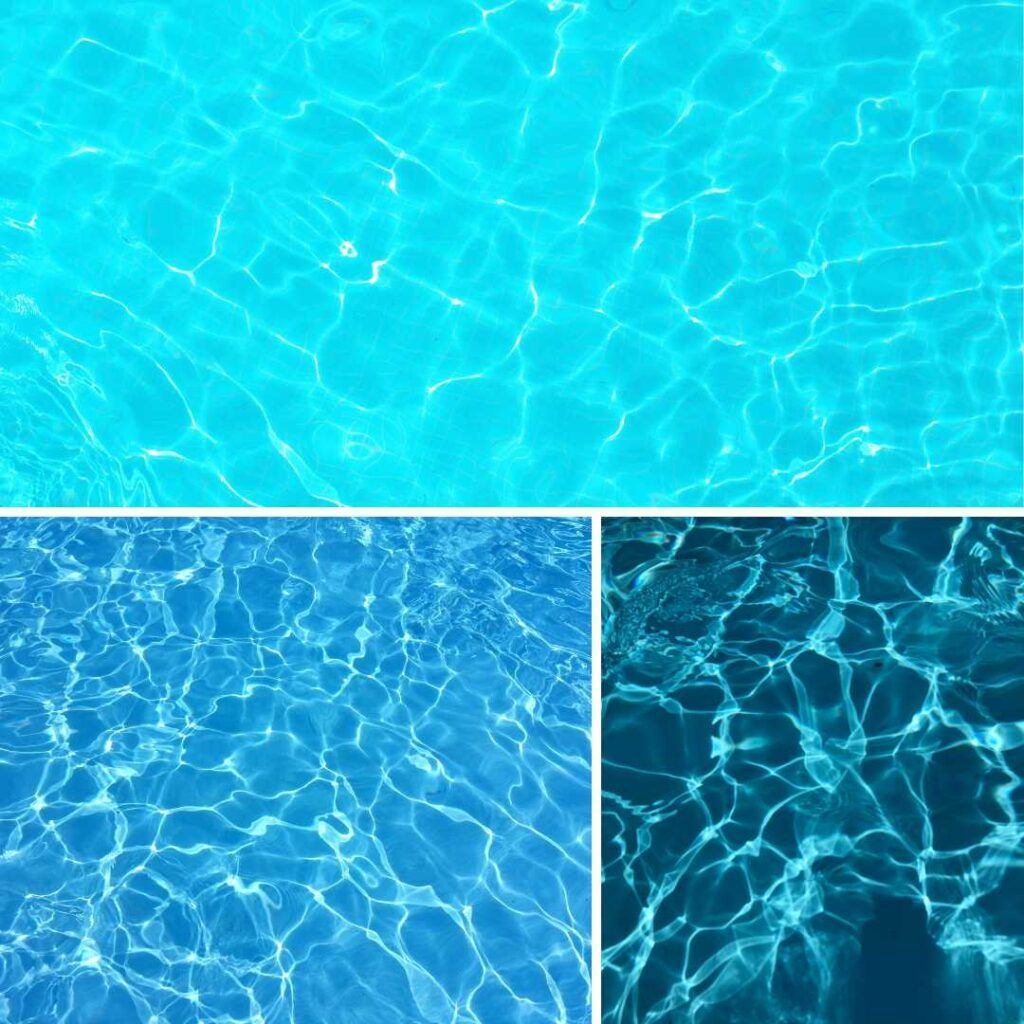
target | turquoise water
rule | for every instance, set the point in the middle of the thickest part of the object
(295, 771)
(603, 252)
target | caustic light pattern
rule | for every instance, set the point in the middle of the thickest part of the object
(533, 252)
(813, 741)
(294, 772)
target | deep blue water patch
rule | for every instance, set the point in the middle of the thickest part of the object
(813, 746)
(452, 252)
(301, 771)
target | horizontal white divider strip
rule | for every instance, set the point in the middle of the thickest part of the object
(571, 511)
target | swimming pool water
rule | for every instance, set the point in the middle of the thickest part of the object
(601, 252)
(272, 771)
(813, 746)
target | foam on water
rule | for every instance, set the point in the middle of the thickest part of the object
(272, 771)
(608, 252)
(813, 742)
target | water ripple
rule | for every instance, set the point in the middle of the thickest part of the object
(272, 771)
(813, 742)
(603, 252)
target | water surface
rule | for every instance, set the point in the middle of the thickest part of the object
(569, 252)
(813, 745)
(294, 771)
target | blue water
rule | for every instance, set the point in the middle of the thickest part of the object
(600, 252)
(813, 743)
(272, 771)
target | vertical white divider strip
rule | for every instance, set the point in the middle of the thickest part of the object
(595, 749)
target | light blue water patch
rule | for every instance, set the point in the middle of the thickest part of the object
(294, 771)
(601, 252)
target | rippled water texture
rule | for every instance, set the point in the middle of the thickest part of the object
(813, 750)
(292, 771)
(613, 252)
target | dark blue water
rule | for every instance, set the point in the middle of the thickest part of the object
(281, 771)
(813, 741)
(899, 980)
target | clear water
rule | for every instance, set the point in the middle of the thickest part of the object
(294, 772)
(614, 251)
(813, 743)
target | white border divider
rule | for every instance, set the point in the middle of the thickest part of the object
(595, 769)
(487, 511)
(595, 514)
